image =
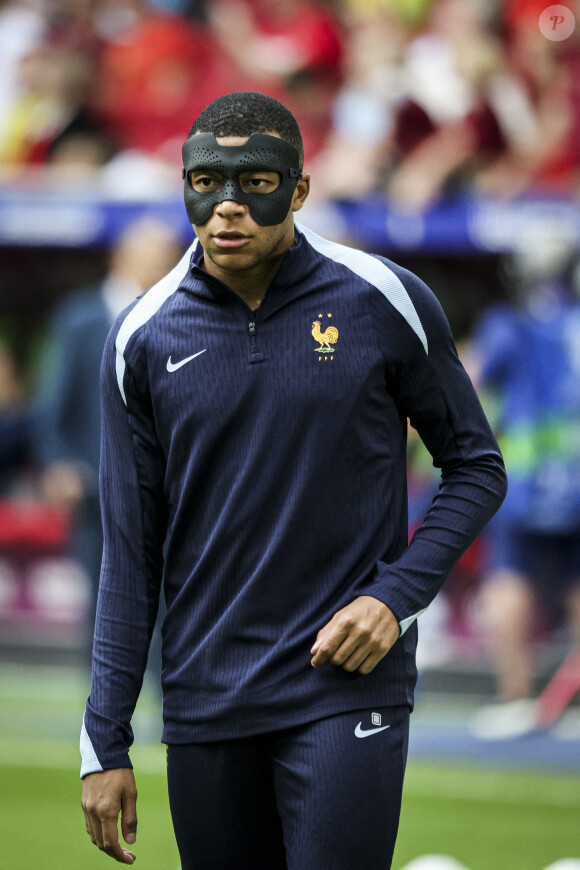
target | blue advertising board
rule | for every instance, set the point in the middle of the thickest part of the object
(459, 225)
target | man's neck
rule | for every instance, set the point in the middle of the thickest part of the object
(249, 284)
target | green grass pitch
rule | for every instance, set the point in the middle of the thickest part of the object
(487, 818)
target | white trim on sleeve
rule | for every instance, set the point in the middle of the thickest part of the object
(90, 763)
(406, 623)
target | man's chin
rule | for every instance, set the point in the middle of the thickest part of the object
(232, 260)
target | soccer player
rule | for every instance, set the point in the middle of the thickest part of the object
(255, 406)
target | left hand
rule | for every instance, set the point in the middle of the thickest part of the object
(358, 636)
(106, 795)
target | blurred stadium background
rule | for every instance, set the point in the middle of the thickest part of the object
(444, 134)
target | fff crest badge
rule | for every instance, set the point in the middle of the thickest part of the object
(326, 337)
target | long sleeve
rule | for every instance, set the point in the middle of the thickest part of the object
(433, 390)
(270, 475)
(134, 524)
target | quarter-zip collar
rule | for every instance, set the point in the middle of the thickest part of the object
(296, 264)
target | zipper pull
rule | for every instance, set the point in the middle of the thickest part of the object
(255, 354)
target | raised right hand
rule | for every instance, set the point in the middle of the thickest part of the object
(105, 795)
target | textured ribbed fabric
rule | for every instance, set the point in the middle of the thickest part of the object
(332, 798)
(258, 461)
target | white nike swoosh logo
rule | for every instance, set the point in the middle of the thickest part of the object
(172, 367)
(358, 731)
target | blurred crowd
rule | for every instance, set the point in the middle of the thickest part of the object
(409, 99)
(413, 98)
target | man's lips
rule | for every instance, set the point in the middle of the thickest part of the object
(230, 239)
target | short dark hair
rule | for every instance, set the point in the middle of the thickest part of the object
(245, 112)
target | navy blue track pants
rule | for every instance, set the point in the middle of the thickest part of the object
(321, 796)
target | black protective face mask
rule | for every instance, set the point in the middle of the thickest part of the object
(261, 152)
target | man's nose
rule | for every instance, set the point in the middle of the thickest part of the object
(229, 208)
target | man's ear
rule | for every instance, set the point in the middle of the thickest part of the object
(301, 193)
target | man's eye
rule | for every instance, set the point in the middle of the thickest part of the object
(204, 184)
(263, 184)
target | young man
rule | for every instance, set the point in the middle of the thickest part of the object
(255, 410)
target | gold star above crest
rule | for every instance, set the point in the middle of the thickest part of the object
(329, 315)
(321, 315)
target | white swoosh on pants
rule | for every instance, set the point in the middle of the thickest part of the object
(358, 731)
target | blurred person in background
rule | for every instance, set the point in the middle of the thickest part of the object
(528, 355)
(22, 29)
(68, 416)
(52, 105)
(461, 109)
(352, 159)
(548, 157)
(156, 68)
(290, 49)
(429, 102)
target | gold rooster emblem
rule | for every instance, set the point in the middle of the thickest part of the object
(324, 339)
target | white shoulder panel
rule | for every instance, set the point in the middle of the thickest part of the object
(148, 305)
(375, 272)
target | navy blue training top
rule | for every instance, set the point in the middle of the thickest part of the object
(257, 461)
